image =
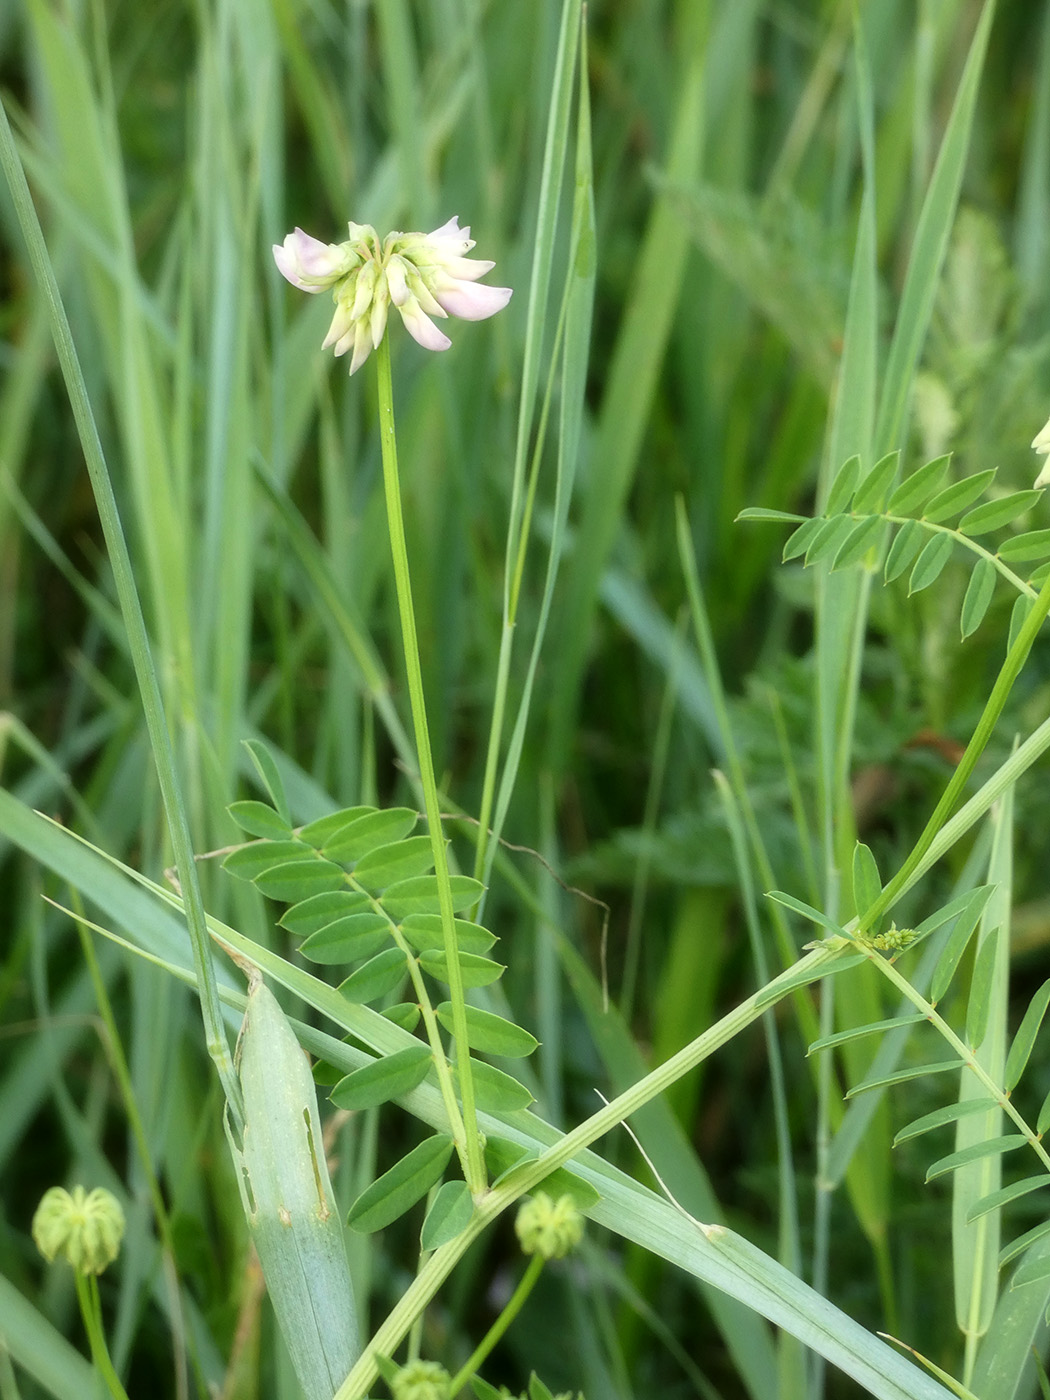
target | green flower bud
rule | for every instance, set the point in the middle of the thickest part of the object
(86, 1228)
(550, 1228)
(421, 1380)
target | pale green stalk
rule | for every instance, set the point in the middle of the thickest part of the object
(514, 1306)
(91, 1311)
(466, 1133)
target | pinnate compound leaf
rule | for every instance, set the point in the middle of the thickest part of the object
(399, 860)
(978, 595)
(322, 909)
(348, 939)
(1018, 617)
(1042, 1123)
(324, 829)
(801, 539)
(490, 1033)
(958, 497)
(1021, 1048)
(1034, 1269)
(1022, 1242)
(405, 1014)
(297, 880)
(871, 494)
(843, 486)
(997, 1199)
(950, 1113)
(384, 1079)
(916, 489)
(476, 971)
(976, 1152)
(808, 912)
(965, 923)
(828, 538)
(935, 554)
(993, 515)
(502, 1156)
(901, 1076)
(448, 1216)
(259, 819)
(398, 1190)
(420, 895)
(1021, 549)
(376, 977)
(368, 833)
(425, 931)
(247, 862)
(892, 1023)
(263, 762)
(863, 536)
(903, 549)
(1038, 577)
(495, 1091)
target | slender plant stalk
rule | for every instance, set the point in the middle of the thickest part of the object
(91, 1311)
(468, 1139)
(496, 1331)
(131, 611)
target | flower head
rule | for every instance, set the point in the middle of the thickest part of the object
(422, 274)
(86, 1228)
(1041, 443)
(550, 1228)
(420, 1380)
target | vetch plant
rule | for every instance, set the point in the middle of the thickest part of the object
(421, 274)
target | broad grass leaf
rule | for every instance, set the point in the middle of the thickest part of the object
(843, 486)
(348, 939)
(980, 1003)
(976, 1152)
(491, 1034)
(903, 550)
(916, 489)
(326, 828)
(259, 819)
(801, 539)
(993, 515)
(425, 931)
(871, 494)
(958, 497)
(368, 833)
(385, 1079)
(399, 860)
(962, 1108)
(979, 593)
(248, 862)
(297, 880)
(867, 883)
(951, 953)
(476, 971)
(398, 1189)
(1022, 549)
(264, 764)
(319, 910)
(1021, 1048)
(420, 895)
(863, 537)
(935, 554)
(448, 1216)
(375, 978)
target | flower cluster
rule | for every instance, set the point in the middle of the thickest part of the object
(550, 1228)
(1041, 443)
(86, 1228)
(421, 274)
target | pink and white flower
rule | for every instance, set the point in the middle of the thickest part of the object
(423, 275)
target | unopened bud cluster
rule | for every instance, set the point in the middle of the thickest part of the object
(86, 1228)
(549, 1228)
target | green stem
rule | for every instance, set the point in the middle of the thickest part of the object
(1015, 659)
(91, 1311)
(496, 1331)
(131, 612)
(470, 1150)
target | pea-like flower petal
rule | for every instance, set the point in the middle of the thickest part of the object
(425, 275)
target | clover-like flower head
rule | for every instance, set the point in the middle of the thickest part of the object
(550, 1228)
(420, 1380)
(1041, 443)
(422, 274)
(85, 1227)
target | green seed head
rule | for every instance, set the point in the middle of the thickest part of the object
(550, 1228)
(85, 1227)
